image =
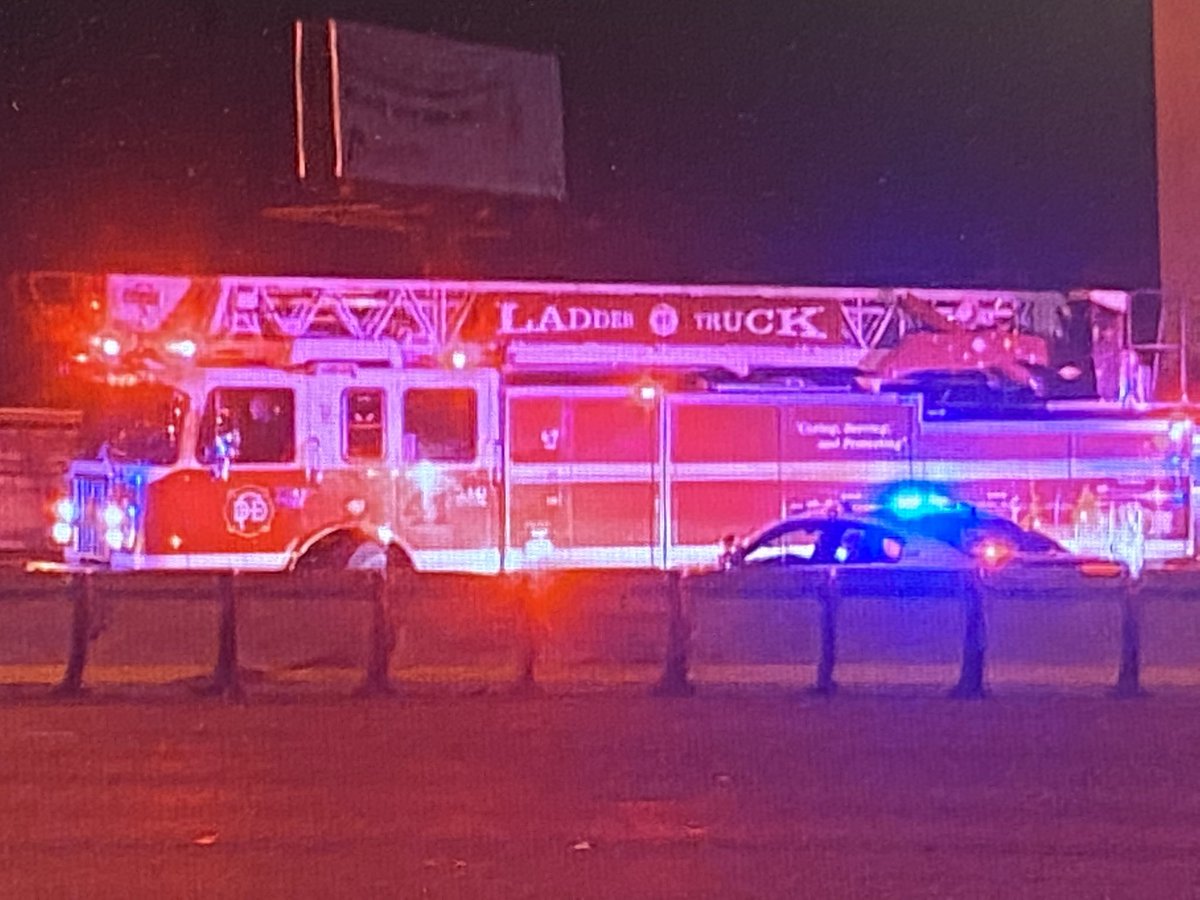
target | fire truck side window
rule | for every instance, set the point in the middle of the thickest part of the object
(255, 425)
(440, 423)
(363, 412)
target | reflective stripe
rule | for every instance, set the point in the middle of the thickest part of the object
(618, 557)
(693, 554)
(1001, 469)
(486, 561)
(479, 560)
(570, 473)
(852, 472)
(1101, 545)
(246, 562)
(1122, 468)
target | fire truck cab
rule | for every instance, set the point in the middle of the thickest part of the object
(255, 468)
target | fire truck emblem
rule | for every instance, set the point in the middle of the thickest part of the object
(664, 319)
(248, 511)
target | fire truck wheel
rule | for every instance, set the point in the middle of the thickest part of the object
(330, 554)
(347, 550)
(368, 555)
(397, 560)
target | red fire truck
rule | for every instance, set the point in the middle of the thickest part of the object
(255, 423)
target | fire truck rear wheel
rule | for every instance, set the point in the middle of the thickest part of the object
(345, 550)
(397, 560)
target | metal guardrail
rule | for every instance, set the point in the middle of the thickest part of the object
(88, 592)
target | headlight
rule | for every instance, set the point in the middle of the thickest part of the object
(64, 510)
(115, 538)
(114, 516)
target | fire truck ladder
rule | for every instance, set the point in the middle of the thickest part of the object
(317, 318)
(423, 318)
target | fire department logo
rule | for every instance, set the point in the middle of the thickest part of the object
(248, 511)
(664, 319)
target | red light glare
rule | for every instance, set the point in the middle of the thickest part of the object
(992, 553)
(1101, 569)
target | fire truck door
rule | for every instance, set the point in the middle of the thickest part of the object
(448, 509)
(245, 506)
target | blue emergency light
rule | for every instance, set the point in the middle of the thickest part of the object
(910, 500)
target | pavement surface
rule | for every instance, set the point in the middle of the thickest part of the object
(154, 792)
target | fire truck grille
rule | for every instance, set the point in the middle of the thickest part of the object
(89, 494)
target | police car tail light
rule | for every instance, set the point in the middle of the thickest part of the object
(992, 553)
(1101, 568)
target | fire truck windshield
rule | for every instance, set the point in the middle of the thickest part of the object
(135, 424)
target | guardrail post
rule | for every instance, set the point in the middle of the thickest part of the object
(1129, 674)
(674, 681)
(523, 589)
(377, 681)
(829, 597)
(80, 592)
(227, 680)
(971, 680)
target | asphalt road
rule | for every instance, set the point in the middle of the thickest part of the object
(607, 794)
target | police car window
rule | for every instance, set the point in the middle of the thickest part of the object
(362, 413)
(440, 424)
(248, 426)
(827, 543)
(859, 544)
(791, 547)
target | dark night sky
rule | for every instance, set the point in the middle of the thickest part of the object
(964, 142)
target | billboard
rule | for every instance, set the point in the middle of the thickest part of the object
(416, 111)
